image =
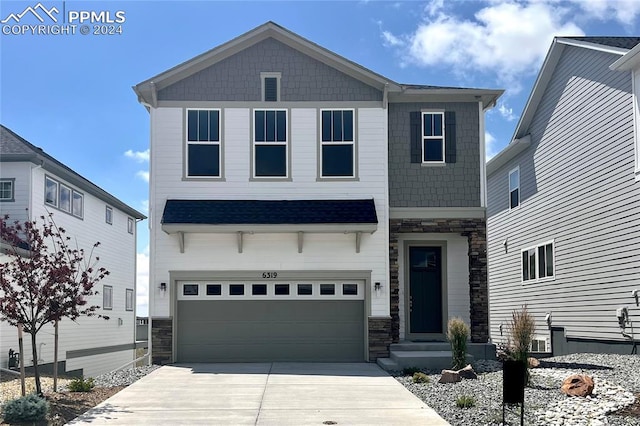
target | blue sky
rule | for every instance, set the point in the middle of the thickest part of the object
(71, 94)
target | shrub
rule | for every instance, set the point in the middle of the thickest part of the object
(79, 384)
(410, 371)
(458, 334)
(465, 401)
(27, 409)
(419, 377)
(521, 329)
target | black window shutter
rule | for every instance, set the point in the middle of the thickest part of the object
(450, 136)
(271, 89)
(416, 144)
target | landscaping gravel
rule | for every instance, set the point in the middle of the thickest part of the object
(616, 377)
(121, 377)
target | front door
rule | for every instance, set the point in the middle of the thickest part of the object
(425, 292)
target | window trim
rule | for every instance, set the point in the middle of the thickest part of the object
(353, 143)
(185, 172)
(130, 225)
(127, 306)
(265, 75)
(286, 144)
(424, 138)
(535, 249)
(512, 171)
(108, 218)
(12, 182)
(72, 193)
(107, 306)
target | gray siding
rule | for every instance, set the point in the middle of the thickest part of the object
(577, 185)
(237, 78)
(20, 171)
(452, 185)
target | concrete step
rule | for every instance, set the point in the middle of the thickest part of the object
(431, 360)
(388, 364)
(420, 346)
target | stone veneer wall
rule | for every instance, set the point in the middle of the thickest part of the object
(161, 341)
(379, 337)
(476, 232)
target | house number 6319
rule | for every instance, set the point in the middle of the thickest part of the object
(269, 275)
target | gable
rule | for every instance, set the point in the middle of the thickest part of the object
(237, 78)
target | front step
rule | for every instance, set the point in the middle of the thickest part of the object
(430, 355)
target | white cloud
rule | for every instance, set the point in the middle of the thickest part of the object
(490, 146)
(623, 11)
(143, 174)
(142, 283)
(507, 38)
(139, 156)
(389, 40)
(506, 112)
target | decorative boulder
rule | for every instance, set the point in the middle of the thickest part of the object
(449, 376)
(578, 385)
(533, 362)
(467, 372)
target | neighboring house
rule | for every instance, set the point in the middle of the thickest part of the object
(564, 203)
(33, 184)
(300, 202)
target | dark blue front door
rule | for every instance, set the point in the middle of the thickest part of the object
(425, 290)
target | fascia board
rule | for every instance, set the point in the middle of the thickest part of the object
(507, 154)
(628, 61)
(346, 228)
(487, 97)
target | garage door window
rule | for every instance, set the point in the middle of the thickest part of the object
(236, 289)
(282, 289)
(190, 290)
(350, 289)
(327, 289)
(305, 289)
(214, 289)
(259, 289)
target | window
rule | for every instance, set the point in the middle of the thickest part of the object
(327, 289)
(538, 262)
(236, 289)
(514, 188)
(129, 300)
(538, 345)
(350, 289)
(61, 196)
(282, 289)
(190, 289)
(130, 225)
(6, 190)
(108, 215)
(203, 143)
(214, 290)
(270, 157)
(305, 289)
(259, 289)
(337, 143)
(433, 137)
(270, 86)
(107, 297)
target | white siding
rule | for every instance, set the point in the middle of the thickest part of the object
(117, 255)
(577, 187)
(20, 171)
(322, 252)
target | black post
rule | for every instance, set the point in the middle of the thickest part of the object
(514, 375)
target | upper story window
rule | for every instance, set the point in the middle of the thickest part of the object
(62, 197)
(107, 297)
(128, 303)
(433, 148)
(337, 144)
(7, 190)
(270, 144)
(108, 215)
(433, 137)
(514, 188)
(270, 86)
(203, 150)
(130, 225)
(538, 262)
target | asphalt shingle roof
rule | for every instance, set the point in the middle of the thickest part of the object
(236, 212)
(11, 143)
(621, 42)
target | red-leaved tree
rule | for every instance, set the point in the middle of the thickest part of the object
(45, 279)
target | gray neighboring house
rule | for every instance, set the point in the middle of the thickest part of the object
(564, 203)
(305, 208)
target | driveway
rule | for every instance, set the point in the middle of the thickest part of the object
(264, 394)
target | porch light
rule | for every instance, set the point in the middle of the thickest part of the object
(163, 287)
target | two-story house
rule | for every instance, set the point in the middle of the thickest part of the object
(34, 184)
(564, 203)
(305, 208)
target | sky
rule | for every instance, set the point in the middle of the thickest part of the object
(71, 95)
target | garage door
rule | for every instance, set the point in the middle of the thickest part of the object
(265, 321)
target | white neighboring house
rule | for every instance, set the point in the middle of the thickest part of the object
(564, 202)
(32, 184)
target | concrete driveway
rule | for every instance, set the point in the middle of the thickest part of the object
(264, 394)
